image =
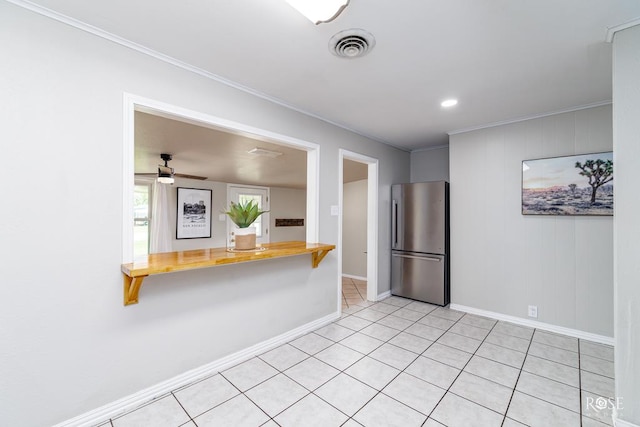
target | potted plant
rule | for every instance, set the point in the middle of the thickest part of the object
(243, 214)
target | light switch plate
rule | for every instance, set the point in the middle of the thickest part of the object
(335, 210)
(222, 217)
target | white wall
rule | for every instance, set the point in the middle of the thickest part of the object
(287, 203)
(68, 343)
(430, 164)
(354, 228)
(218, 228)
(503, 261)
(626, 132)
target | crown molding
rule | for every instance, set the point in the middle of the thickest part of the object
(83, 26)
(532, 117)
(435, 147)
(611, 31)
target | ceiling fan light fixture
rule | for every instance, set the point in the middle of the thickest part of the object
(319, 11)
(165, 173)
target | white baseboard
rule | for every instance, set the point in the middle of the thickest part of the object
(383, 295)
(133, 401)
(351, 276)
(621, 423)
(535, 324)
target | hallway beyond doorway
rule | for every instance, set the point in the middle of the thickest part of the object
(354, 292)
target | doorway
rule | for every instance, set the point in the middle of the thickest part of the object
(260, 197)
(358, 226)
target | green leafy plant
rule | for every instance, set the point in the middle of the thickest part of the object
(243, 214)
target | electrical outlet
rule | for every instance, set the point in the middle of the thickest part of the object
(533, 311)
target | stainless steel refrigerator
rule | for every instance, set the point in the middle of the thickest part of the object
(420, 241)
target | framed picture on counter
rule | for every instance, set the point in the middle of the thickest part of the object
(193, 218)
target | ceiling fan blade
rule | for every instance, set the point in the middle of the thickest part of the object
(177, 175)
(184, 175)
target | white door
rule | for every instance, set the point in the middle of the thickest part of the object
(259, 195)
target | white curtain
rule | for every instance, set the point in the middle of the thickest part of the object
(160, 233)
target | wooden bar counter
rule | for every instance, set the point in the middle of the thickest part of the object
(135, 272)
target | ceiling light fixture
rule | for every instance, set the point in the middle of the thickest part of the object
(165, 173)
(319, 11)
(263, 152)
(449, 103)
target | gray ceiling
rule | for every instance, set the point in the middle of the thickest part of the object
(217, 155)
(503, 59)
(221, 156)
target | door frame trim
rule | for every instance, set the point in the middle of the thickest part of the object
(230, 187)
(372, 220)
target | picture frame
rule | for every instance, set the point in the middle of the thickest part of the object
(193, 216)
(568, 185)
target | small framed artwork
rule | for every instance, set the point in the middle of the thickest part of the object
(289, 222)
(570, 185)
(193, 218)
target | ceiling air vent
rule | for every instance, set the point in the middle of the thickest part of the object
(352, 43)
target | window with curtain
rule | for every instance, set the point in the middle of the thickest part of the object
(141, 218)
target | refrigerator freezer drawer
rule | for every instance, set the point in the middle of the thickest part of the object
(419, 276)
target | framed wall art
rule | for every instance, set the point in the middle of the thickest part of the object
(193, 218)
(570, 185)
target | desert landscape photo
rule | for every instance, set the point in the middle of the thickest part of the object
(571, 185)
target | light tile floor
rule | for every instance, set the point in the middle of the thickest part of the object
(354, 291)
(402, 363)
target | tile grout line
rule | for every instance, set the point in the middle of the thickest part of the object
(384, 342)
(333, 377)
(445, 345)
(420, 355)
(378, 392)
(460, 373)
(580, 383)
(367, 355)
(513, 392)
(185, 410)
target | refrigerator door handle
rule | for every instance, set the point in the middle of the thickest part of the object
(394, 229)
(426, 258)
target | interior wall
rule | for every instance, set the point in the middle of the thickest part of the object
(503, 261)
(626, 129)
(430, 165)
(218, 204)
(354, 228)
(287, 203)
(69, 344)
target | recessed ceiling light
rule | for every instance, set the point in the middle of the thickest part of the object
(449, 102)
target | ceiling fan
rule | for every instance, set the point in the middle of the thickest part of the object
(166, 173)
